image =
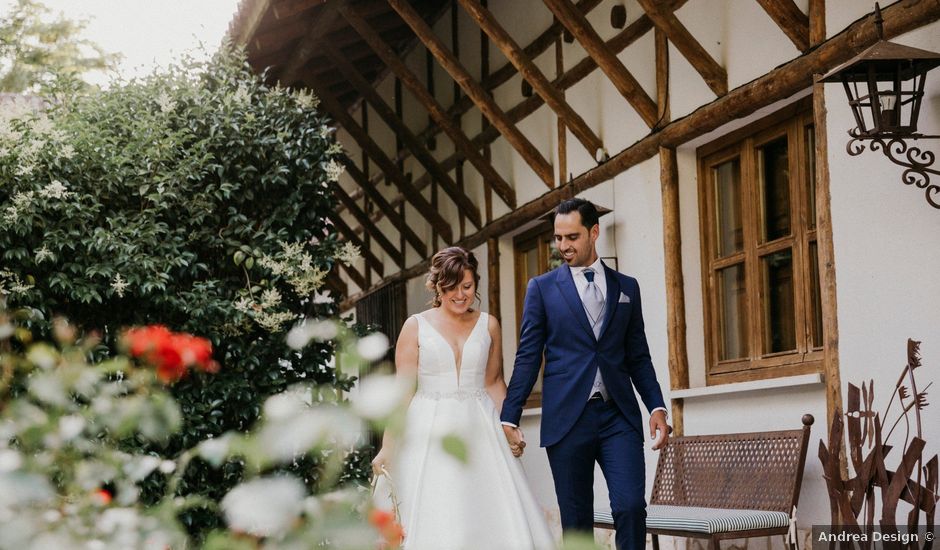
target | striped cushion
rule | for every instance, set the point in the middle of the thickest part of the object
(704, 520)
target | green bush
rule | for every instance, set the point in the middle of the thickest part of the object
(196, 198)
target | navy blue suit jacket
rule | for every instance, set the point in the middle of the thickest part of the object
(554, 321)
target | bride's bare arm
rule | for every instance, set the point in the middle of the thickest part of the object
(495, 383)
(406, 367)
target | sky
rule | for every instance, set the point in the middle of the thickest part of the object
(147, 33)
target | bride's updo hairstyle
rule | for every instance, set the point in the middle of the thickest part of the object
(446, 272)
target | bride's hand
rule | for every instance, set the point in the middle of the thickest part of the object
(380, 462)
(516, 440)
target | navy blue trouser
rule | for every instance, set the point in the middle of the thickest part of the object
(601, 434)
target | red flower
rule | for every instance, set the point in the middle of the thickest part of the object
(171, 354)
(102, 497)
(392, 532)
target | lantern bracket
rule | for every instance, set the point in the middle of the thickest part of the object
(917, 162)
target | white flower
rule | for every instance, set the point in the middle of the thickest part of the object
(298, 336)
(270, 298)
(214, 451)
(348, 254)
(373, 346)
(325, 131)
(324, 330)
(71, 426)
(142, 467)
(167, 467)
(11, 214)
(55, 190)
(43, 254)
(242, 95)
(306, 100)
(119, 285)
(287, 404)
(264, 507)
(334, 170)
(165, 102)
(67, 152)
(380, 395)
(115, 520)
(22, 200)
(10, 460)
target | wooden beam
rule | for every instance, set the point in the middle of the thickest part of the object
(437, 112)
(378, 156)
(387, 209)
(662, 77)
(492, 260)
(714, 74)
(244, 28)
(560, 129)
(793, 22)
(534, 76)
(571, 77)
(335, 283)
(354, 274)
(418, 150)
(778, 84)
(308, 46)
(487, 105)
(817, 22)
(619, 76)
(827, 262)
(675, 282)
(394, 253)
(371, 259)
(290, 8)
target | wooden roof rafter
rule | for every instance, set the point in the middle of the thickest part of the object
(371, 259)
(524, 64)
(530, 154)
(575, 74)
(308, 45)
(665, 19)
(389, 168)
(793, 22)
(418, 150)
(384, 207)
(437, 112)
(619, 76)
(373, 230)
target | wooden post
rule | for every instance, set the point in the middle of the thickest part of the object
(561, 129)
(492, 256)
(826, 262)
(662, 77)
(675, 283)
(817, 22)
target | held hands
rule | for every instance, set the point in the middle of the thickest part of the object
(516, 440)
(659, 430)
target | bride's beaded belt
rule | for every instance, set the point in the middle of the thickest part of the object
(460, 395)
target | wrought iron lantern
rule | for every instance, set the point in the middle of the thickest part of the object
(885, 87)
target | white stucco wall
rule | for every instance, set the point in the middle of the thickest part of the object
(884, 232)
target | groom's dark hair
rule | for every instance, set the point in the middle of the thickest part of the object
(584, 207)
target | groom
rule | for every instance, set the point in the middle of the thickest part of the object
(587, 321)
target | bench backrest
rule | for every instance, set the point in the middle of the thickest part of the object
(756, 471)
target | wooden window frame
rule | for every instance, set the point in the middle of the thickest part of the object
(540, 237)
(756, 364)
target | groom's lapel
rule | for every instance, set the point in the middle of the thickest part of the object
(570, 292)
(613, 295)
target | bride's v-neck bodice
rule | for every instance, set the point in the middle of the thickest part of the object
(438, 370)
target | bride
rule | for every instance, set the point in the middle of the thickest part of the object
(454, 353)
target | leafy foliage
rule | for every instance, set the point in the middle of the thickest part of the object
(37, 49)
(194, 198)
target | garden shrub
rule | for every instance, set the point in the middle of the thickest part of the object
(196, 198)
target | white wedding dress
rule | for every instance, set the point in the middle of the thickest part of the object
(447, 504)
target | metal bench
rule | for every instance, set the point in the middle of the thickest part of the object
(726, 486)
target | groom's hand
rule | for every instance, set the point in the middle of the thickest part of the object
(516, 440)
(659, 430)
